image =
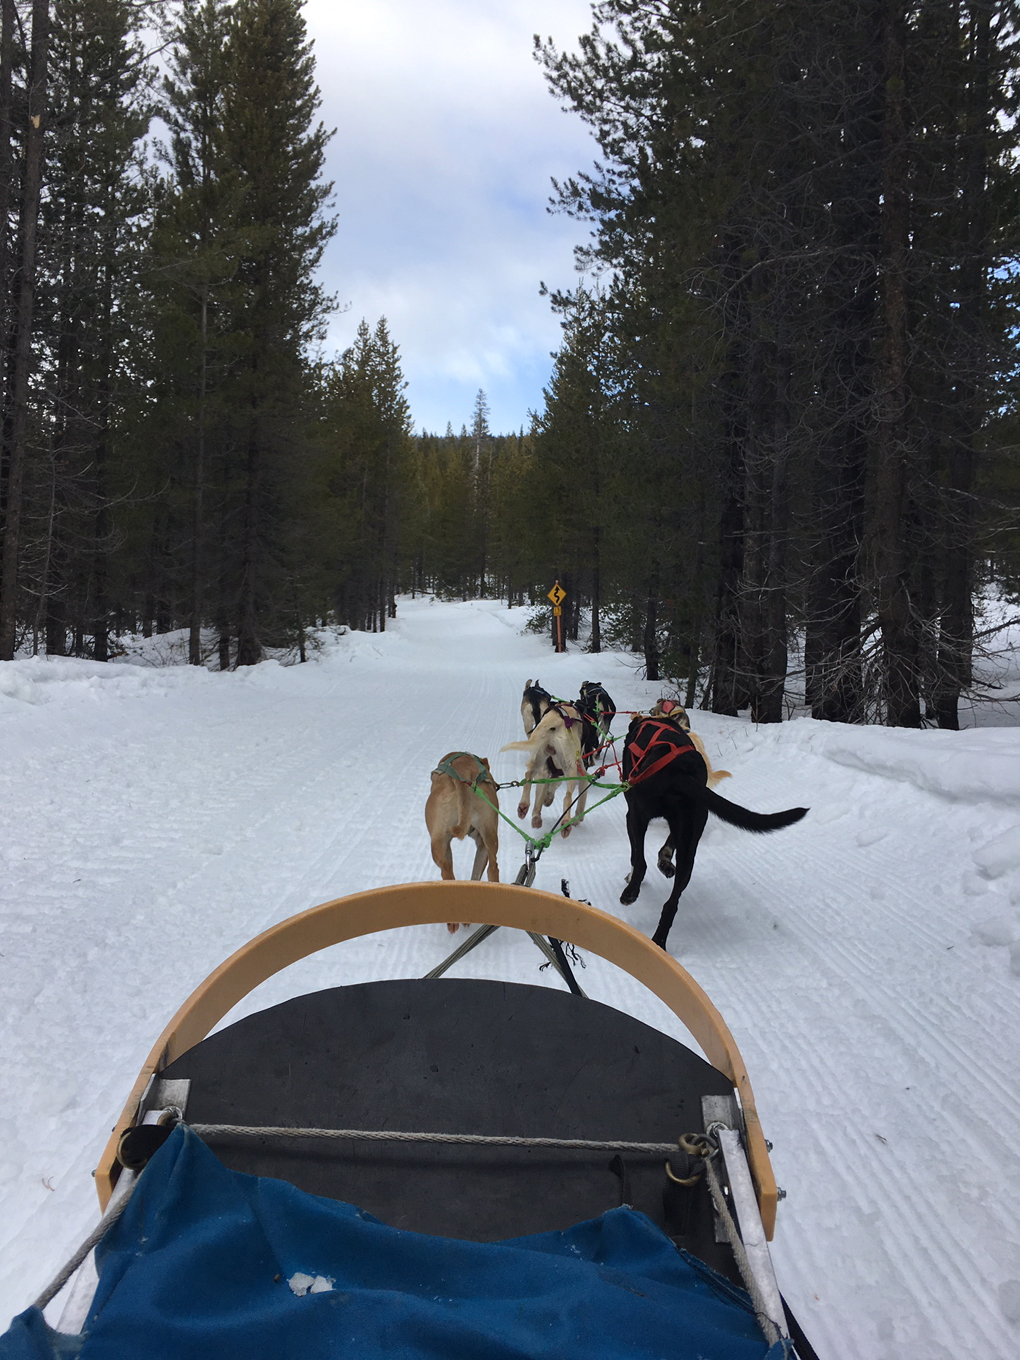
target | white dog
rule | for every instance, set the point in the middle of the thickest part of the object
(556, 742)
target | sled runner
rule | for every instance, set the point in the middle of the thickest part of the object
(433, 1167)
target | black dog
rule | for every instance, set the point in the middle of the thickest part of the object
(535, 702)
(597, 705)
(668, 778)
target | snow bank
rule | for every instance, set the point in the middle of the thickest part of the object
(1000, 855)
(976, 765)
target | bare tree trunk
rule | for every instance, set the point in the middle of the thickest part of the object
(775, 652)
(23, 341)
(595, 642)
(726, 689)
(100, 610)
(8, 22)
(757, 485)
(103, 526)
(650, 642)
(197, 506)
(833, 645)
(899, 641)
(956, 640)
(249, 649)
(44, 586)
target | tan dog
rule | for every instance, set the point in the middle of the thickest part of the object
(670, 708)
(555, 742)
(454, 808)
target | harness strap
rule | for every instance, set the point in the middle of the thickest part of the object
(446, 767)
(665, 733)
(567, 719)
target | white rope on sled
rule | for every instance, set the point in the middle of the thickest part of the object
(126, 1185)
(471, 1139)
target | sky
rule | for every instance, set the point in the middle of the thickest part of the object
(447, 139)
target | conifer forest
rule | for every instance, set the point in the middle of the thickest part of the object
(778, 449)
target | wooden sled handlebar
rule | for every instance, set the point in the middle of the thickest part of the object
(419, 904)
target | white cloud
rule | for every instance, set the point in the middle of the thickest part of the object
(447, 138)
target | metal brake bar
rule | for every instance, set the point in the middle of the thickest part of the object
(475, 938)
(552, 950)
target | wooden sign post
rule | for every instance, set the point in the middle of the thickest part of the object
(558, 595)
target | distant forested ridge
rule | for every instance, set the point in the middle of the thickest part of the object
(778, 448)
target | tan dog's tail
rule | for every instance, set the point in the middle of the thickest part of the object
(714, 776)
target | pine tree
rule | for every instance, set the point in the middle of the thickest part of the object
(93, 215)
(580, 441)
(14, 455)
(270, 99)
(365, 459)
(194, 258)
(481, 482)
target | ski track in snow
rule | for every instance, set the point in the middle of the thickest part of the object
(154, 819)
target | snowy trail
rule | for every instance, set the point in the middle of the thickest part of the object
(151, 820)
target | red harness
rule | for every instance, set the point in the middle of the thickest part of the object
(653, 746)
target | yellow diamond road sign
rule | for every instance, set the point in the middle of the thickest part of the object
(557, 594)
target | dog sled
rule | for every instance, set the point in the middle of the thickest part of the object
(431, 1167)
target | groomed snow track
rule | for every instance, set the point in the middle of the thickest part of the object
(152, 819)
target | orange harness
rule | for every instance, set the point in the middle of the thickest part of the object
(654, 745)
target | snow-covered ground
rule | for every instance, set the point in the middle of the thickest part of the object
(153, 818)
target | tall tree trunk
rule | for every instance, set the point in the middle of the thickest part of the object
(775, 652)
(23, 343)
(100, 601)
(39, 625)
(849, 320)
(570, 581)
(595, 642)
(198, 491)
(249, 649)
(102, 526)
(727, 690)
(8, 22)
(899, 642)
(956, 640)
(833, 645)
(757, 485)
(650, 635)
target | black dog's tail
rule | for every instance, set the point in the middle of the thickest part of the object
(734, 813)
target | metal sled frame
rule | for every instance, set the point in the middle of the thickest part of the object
(418, 904)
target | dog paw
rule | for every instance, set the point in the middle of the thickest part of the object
(666, 868)
(536, 823)
(453, 927)
(629, 895)
(565, 832)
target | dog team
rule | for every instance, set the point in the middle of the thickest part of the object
(665, 768)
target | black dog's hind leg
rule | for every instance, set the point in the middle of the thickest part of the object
(665, 860)
(637, 825)
(685, 828)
